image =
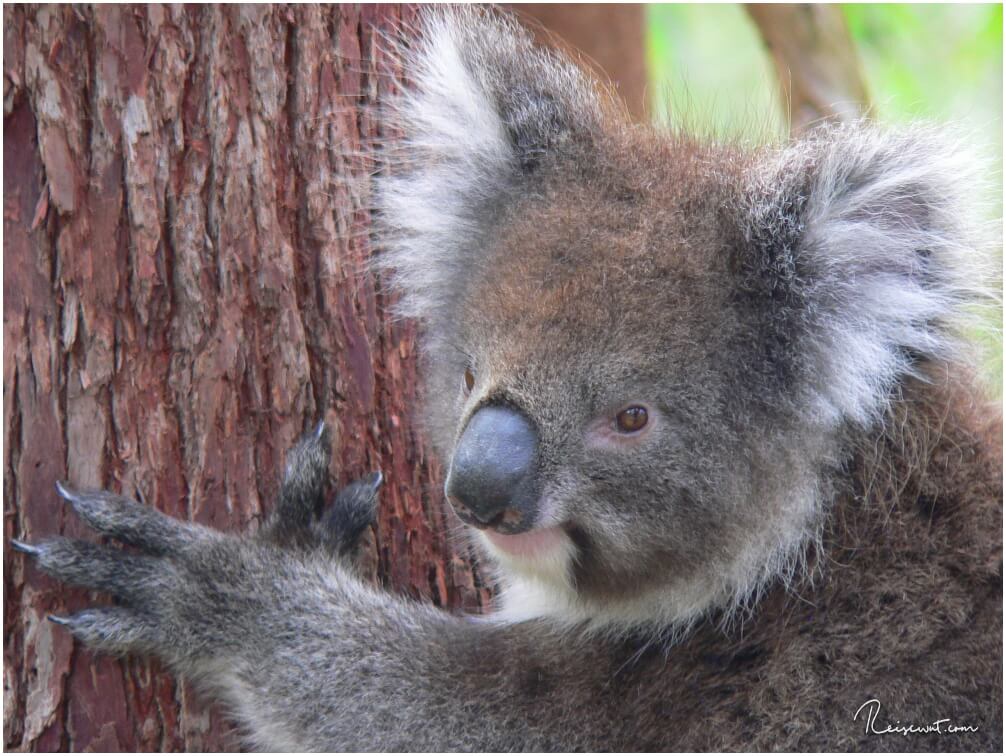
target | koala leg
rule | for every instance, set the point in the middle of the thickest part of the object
(303, 654)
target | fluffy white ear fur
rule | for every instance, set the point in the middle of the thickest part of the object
(481, 98)
(889, 252)
(454, 157)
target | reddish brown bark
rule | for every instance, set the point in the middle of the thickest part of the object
(185, 291)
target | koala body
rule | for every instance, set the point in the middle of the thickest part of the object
(705, 408)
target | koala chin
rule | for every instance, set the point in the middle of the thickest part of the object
(705, 406)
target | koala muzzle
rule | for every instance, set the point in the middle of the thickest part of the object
(492, 481)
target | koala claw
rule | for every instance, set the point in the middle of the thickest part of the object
(121, 630)
(177, 565)
(67, 493)
(172, 569)
(376, 479)
(132, 523)
(181, 588)
(24, 548)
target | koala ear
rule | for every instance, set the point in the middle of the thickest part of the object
(484, 110)
(862, 246)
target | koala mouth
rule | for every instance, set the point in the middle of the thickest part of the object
(508, 521)
(530, 544)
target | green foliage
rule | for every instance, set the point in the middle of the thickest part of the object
(710, 72)
(932, 61)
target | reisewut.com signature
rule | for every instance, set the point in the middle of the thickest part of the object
(870, 712)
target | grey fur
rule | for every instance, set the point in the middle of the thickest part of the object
(811, 519)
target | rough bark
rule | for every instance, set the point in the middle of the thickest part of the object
(815, 58)
(185, 291)
(609, 38)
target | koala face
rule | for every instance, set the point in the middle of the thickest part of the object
(642, 351)
(601, 317)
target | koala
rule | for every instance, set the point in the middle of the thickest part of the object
(705, 408)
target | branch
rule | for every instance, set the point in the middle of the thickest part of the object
(816, 60)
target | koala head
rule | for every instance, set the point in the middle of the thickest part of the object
(643, 351)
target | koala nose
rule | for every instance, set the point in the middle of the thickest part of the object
(492, 481)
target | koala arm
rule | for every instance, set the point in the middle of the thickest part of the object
(360, 670)
(278, 628)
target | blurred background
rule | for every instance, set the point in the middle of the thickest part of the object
(918, 61)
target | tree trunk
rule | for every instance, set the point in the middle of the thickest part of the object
(819, 71)
(185, 292)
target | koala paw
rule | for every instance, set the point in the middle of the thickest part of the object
(187, 590)
(149, 584)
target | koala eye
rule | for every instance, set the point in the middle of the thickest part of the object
(468, 381)
(631, 419)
